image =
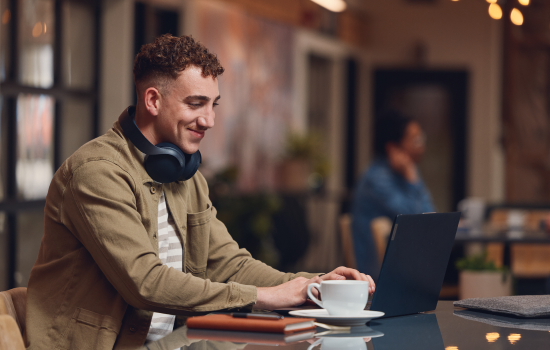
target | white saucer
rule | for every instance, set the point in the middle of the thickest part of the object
(321, 315)
(354, 332)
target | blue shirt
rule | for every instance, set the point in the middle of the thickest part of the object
(382, 192)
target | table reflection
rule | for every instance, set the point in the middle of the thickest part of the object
(446, 328)
(408, 332)
(183, 338)
(534, 324)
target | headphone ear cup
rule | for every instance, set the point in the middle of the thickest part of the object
(165, 168)
(192, 162)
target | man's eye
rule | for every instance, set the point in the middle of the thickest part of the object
(216, 104)
(195, 104)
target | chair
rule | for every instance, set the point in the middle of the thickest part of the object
(13, 302)
(527, 260)
(530, 260)
(347, 240)
(10, 337)
(12, 318)
(380, 228)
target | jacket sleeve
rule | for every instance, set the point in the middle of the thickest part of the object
(228, 263)
(100, 208)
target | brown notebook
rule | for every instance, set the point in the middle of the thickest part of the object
(250, 337)
(229, 323)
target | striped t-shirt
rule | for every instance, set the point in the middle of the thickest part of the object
(170, 254)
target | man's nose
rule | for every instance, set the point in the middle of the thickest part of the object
(207, 121)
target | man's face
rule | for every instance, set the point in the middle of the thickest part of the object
(414, 141)
(186, 109)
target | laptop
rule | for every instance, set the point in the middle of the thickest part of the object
(414, 264)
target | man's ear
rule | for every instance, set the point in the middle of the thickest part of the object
(152, 100)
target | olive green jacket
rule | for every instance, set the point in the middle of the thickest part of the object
(98, 278)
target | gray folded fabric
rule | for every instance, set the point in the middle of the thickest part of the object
(533, 324)
(519, 305)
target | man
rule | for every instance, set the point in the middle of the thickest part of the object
(392, 184)
(120, 249)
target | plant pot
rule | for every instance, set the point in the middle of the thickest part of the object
(484, 284)
(294, 175)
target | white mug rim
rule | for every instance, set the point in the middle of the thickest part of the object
(343, 282)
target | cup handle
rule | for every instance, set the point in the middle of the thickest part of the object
(317, 301)
(317, 342)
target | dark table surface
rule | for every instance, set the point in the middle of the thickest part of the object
(446, 328)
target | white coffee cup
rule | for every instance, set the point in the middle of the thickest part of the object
(341, 298)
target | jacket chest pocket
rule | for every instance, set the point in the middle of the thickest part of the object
(197, 242)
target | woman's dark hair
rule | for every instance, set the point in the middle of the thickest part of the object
(389, 127)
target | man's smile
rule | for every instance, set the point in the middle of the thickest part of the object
(197, 133)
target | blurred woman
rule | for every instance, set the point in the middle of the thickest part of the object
(391, 185)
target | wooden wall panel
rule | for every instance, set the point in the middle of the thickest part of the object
(526, 102)
(350, 26)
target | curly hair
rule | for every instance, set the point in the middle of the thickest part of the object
(168, 56)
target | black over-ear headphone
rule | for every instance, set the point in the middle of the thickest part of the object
(164, 162)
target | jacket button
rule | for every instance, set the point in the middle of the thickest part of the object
(153, 189)
(132, 329)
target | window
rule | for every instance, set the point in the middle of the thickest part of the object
(49, 55)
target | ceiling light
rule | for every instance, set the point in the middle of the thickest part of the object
(524, 2)
(332, 5)
(516, 17)
(492, 1)
(495, 11)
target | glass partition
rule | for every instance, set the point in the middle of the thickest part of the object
(5, 12)
(35, 41)
(30, 229)
(34, 168)
(76, 126)
(78, 45)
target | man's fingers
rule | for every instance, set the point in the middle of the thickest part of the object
(350, 274)
(372, 286)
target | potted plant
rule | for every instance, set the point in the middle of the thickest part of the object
(481, 278)
(303, 166)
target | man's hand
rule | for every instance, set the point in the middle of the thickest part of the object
(294, 293)
(402, 163)
(289, 294)
(345, 273)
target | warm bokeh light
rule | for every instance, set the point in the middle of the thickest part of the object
(524, 2)
(516, 17)
(332, 5)
(495, 11)
(451, 348)
(45, 28)
(37, 29)
(492, 337)
(6, 16)
(492, 1)
(514, 338)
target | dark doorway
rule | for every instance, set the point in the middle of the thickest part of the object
(151, 22)
(437, 99)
